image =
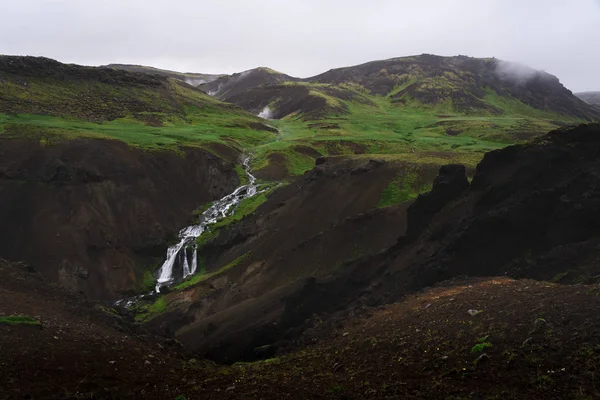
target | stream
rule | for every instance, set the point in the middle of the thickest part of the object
(182, 258)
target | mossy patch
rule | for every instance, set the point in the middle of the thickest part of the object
(201, 277)
(19, 320)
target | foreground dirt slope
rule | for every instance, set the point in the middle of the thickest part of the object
(91, 214)
(525, 340)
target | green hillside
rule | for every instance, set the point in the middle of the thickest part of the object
(454, 107)
(412, 108)
(53, 101)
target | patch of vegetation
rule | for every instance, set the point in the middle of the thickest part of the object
(245, 208)
(19, 320)
(147, 311)
(148, 282)
(201, 276)
(482, 344)
(404, 187)
(241, 173)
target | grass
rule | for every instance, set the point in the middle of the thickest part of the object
(404, 187)
(245, 208)
(145, 312)
(19, 320)
(148, 282)
(381, 127)
(482, 344)
(201, 277)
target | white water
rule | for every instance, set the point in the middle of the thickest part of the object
(266, 113)
(177, 263)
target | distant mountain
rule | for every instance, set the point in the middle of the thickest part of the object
(193, 79)
(231, 85)
(462, 84)
(589, 97)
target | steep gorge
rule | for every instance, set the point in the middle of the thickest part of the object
(96, 215)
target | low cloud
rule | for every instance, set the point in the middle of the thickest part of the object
(515, 72)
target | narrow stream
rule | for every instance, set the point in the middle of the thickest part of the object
(182, 258)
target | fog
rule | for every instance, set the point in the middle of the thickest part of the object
(304, 38)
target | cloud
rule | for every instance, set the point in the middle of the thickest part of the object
(306, 37)
(515, 72)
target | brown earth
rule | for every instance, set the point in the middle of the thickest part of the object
(95, 214)
(542, 343)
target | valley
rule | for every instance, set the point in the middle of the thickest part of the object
(396, 229)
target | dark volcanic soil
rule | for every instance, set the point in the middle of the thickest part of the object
(93, 214)
(531, 211)
(542, 343)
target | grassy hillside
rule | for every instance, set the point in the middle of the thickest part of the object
(46, 99)
(457, 106)
(408, 109)
(357, 122)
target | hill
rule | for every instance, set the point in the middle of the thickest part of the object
(191, 78)
(231, 85)
(411, 104)
(43, 95)
(589, 97)
(110, 164)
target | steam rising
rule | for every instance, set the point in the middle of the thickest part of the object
(194, 82)
(515, 72)
(266, 113)
(213, 93)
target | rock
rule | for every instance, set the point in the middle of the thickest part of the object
(526, 342)
(147, 362)
(450, 183)
(473, 313)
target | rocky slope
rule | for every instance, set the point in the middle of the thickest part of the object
(96, 214)
(525, 340)
(529, 212)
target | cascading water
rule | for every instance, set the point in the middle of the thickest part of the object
(183, 254)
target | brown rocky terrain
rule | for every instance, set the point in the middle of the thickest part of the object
(492, 338)
(96, 214)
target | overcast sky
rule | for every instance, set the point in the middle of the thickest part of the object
(306, 37)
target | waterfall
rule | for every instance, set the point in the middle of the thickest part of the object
(194, 260)
(176, 265)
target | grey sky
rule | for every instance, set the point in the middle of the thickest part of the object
(306, 37)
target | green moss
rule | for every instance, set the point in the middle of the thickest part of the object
(241, 173)
(482, 344)
(404, 187)
(145, 312)
(148, 282)
(19, 320)
(245, 208)
(201, 276)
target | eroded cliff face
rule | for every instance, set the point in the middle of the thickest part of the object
(94, 215)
